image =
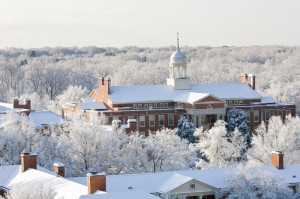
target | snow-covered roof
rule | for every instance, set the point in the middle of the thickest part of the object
(190, 97)
(123, 195)
(86, 100)
(41, 118)
(12, 177)
(146, 93)
(92, 106)
(5, 107)
(268, 99)
(173, 182)
(162, 181)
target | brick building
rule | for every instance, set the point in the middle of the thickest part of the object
(157, 106)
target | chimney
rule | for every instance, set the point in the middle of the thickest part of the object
(251, 81)
(104, 85)
(132, 126)
(96, 181)
(15, 103)
(277, 159)
(25, 105)
(244, 78)
(59, 168)
(116, 124)
(28, 160)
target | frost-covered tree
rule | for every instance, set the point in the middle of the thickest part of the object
(185, 130)
(252, 183)
(31, 191)
(161, 151)
(216, 149)
(236, 119)
(278, 135)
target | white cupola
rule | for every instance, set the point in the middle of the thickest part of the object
(178, 70)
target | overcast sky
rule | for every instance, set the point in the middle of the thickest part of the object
(151, 23)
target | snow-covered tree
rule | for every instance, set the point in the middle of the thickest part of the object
(279, 135)
(252, 183)
(161, 151)
(186, 129)
(216, 149)
(236, 119)
(31, 191)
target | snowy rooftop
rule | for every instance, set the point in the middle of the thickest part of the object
(86, 100)
(268, 99)
(92, 106)
(165, 181)
(143, 93)
(123, 195)
(12, 177)
(5, 107)
(41, 118)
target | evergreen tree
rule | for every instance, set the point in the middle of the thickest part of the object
(186, 129)
(236, 118)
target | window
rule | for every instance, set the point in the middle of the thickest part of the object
(139, 106)
(134, 106)
(161, 105)
(171, 119)
(145, 106)
(256, 116)
(236, 102)
(230, 103)
(150, 106)
(247, 115)
(166, 105)
(142, 121)
(161, 120)
(240, 102)
(151, 120)
(288, 112)
(155, 105)
(267, 115)
(279, 113)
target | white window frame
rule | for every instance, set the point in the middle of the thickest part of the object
(151, 120)
(170, 116)
(255, 117)
(163, 120)
(142, 121)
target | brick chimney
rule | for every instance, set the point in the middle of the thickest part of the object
(251, 81)
(116, 124)
(59, 168)
(132, 126)
(25, 105)
(244, 78)
(28, 160)
(96, 181)
(277, 159)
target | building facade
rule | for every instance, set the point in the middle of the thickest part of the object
(157, 106)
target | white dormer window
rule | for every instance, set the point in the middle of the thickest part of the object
(145, 106)
(230, 103)
(161, 105)
(166, 105)
(134, 106)
(139, 106)
(155, 105)
(150, 106)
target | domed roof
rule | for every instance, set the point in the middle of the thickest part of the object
(178, 58)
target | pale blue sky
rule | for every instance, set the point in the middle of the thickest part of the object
(152, 23)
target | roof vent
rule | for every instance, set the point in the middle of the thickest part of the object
(294, 176)
(130, 187)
